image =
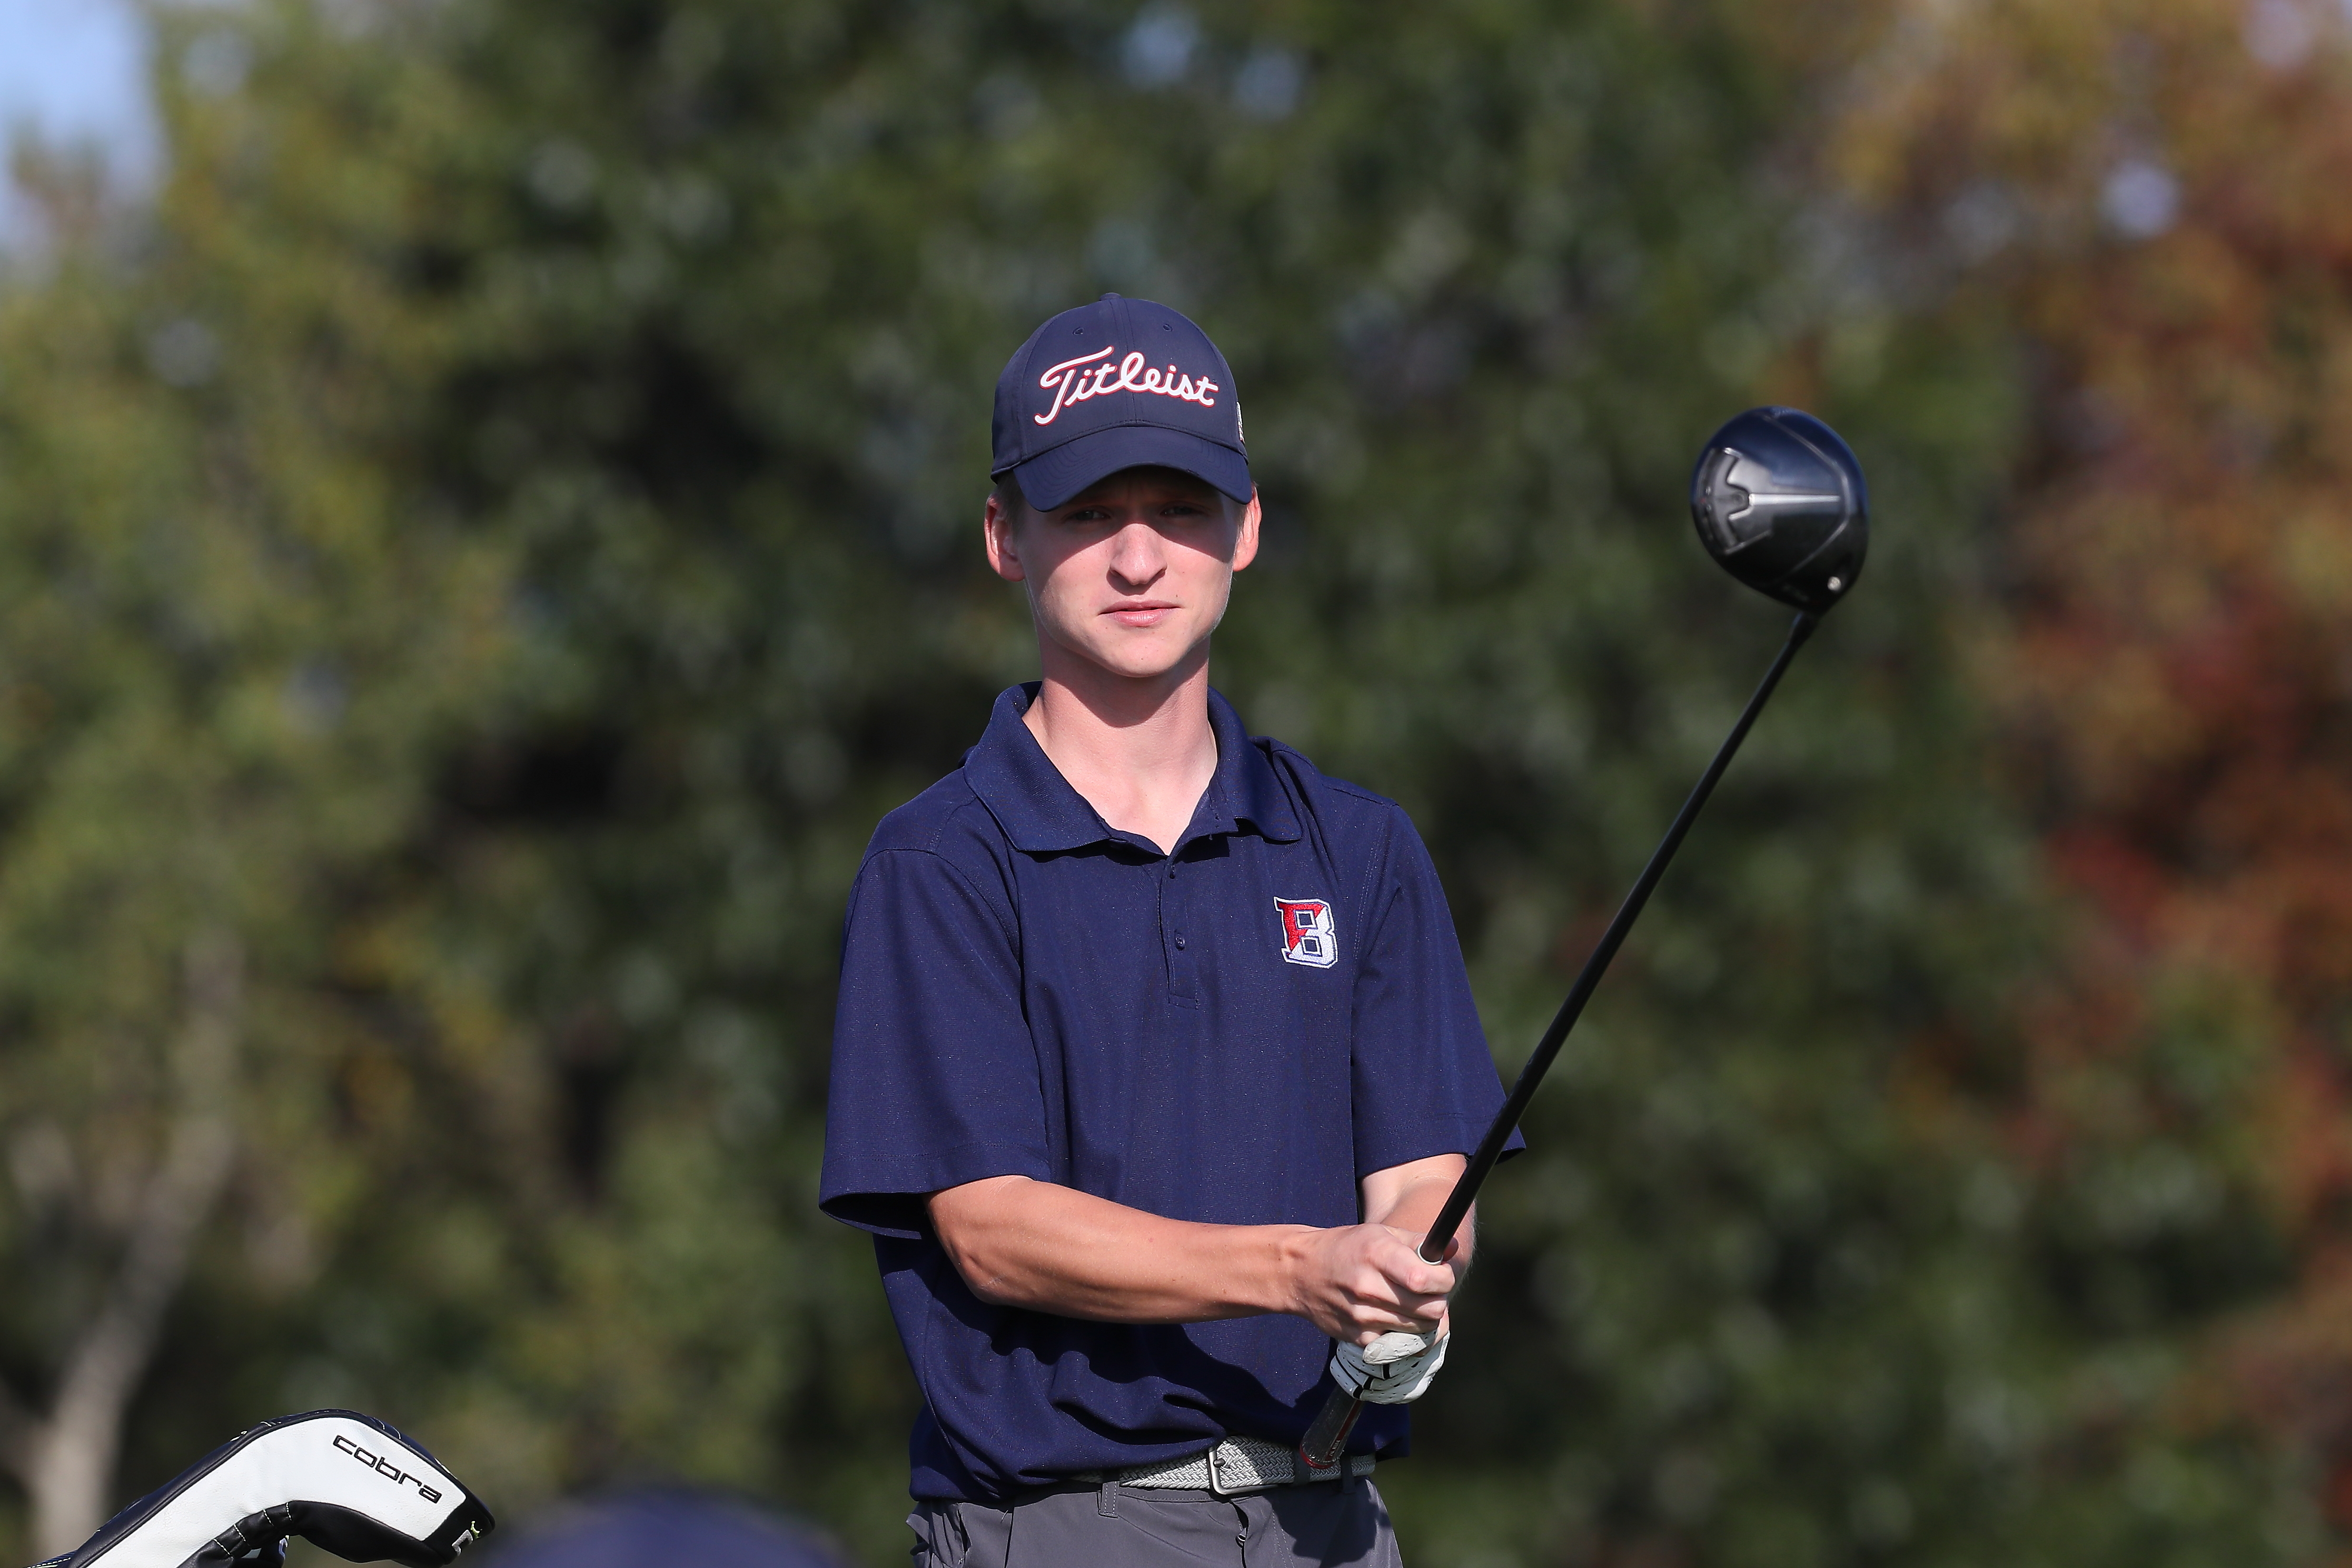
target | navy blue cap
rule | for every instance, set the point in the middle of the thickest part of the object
(1119, 384)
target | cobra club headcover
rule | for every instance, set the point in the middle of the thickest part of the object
(1780, 503)
(340, 1480)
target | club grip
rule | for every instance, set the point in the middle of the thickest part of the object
(1327, 1438)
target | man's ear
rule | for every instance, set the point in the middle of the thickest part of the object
(1245, 539)
(997, 529)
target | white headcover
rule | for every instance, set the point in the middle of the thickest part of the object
(326, 1458)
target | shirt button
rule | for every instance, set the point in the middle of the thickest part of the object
(1179, 939)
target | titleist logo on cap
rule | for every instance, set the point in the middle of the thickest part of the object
(1059, 427)
(1098, 375)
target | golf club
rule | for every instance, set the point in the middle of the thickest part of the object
(1779, 502)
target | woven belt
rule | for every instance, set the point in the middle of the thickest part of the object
(1239, 1466)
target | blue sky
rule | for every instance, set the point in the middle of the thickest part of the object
(74, 71)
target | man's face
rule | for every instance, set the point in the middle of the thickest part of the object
(1131, 576)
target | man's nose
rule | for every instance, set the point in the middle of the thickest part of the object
(1137, 556)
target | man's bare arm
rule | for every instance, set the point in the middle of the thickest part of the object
(1023, 1242)
(1402, 1200)
(1408, 1196)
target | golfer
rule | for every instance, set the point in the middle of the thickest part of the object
(1155, 1054)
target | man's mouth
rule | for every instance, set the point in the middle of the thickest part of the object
(1141, 611)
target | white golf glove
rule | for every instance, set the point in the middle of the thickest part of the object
(1395, 1369)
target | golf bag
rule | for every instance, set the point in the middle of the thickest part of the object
(340, 1480)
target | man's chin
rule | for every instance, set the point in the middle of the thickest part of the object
(1152, 673)
(1146, 665)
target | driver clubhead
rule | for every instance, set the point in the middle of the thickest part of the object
(1778, 500)
(338, 1478)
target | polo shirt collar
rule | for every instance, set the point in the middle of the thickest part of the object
(1245, 789)
(1041, 813)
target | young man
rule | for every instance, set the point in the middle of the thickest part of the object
(1155, 1054)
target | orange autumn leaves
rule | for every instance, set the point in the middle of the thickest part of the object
(2152, 197)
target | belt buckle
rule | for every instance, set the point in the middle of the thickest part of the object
(1224, 1455)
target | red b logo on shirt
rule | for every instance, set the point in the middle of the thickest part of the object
(1306, 936)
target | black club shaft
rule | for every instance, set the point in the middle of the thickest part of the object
(1328, 1437)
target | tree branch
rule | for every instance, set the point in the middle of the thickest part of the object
(17, 1433)
(73, 1459)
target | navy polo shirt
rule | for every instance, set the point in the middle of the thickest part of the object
(1236, 1033)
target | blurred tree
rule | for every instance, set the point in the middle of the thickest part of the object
(595, 393)
(2152, 194)
(231, 644)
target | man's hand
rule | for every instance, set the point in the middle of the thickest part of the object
(1356, 1282)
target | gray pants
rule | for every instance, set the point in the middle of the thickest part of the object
(1329, 1524)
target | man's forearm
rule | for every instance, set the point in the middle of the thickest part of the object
(1023, 1242)
(1409, 1197)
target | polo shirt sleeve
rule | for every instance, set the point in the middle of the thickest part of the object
(1424, 1081)
(934, 1076)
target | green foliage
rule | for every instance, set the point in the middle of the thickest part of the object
(594, 432)
(233, 650)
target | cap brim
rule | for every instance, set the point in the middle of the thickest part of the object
(1050, 479)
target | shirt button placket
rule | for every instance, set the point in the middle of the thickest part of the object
(1175, 921)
